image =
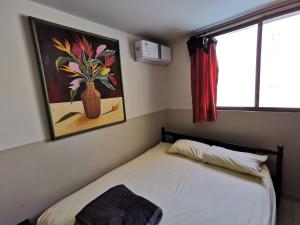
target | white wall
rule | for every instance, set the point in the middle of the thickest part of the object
(259, 129)
(179, 85)
(23, 116)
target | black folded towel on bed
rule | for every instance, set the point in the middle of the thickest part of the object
(119, 206)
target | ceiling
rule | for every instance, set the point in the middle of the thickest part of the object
(164, 20)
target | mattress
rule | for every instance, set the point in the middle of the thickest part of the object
(188, 192)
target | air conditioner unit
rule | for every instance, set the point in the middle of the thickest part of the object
(147, 51)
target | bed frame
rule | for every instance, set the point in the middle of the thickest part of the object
(276, 175)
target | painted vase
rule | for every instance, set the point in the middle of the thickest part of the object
(91, 101)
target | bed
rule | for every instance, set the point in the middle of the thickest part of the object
(189, 192)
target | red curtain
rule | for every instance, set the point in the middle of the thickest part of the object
(204, 77)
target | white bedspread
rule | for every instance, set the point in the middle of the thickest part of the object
(188, 192)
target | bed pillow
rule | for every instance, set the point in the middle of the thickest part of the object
(238, 161)
(188, 148)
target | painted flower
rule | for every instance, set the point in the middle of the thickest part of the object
(87, 47)
(77, 51)
(75, 84)
(113, 80)
(65, 48)
(109, 60)
(105, 71)
(79, 42)
(99, 50)
(74, 67)
(68, 46)
(69, 70)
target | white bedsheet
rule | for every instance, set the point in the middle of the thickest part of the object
(189, 192)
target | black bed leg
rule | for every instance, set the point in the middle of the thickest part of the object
(279, 173)
(163, 136)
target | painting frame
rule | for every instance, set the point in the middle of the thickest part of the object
(33, 25)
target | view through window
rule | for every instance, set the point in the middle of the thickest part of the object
(236, 52)
(279, 71)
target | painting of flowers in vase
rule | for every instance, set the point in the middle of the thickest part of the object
(81, 76)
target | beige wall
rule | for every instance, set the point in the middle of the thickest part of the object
(260, 129)
(22, 105)
(35, 176)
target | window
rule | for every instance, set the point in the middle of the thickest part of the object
(236, 85)
(259, 66)
(280, 63)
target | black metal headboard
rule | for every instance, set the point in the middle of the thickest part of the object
(277, 174)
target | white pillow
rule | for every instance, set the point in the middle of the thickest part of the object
(238, 161)
(191, 149)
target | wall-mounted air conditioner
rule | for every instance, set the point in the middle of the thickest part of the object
(146, 51)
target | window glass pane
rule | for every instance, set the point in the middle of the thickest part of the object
(236, 52)
(280, 63)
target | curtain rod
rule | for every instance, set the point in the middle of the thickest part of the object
(250, 18)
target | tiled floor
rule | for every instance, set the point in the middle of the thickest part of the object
(288, 213)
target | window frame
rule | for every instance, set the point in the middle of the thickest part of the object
(259, 23)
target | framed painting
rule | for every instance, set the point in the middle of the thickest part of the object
(81, 76)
